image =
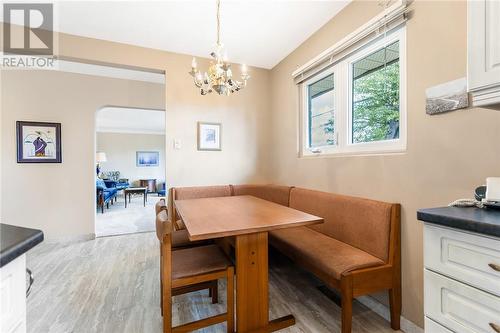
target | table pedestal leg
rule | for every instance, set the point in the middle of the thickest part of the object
(252, 302)
(252, 286)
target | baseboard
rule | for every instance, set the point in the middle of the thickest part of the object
(69, 239)
(383, 311)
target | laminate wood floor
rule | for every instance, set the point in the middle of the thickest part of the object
(112, 285)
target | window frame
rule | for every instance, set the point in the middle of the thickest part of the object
(343, 75)
(305, 107)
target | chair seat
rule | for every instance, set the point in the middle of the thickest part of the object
(198, 260)
(323, 255)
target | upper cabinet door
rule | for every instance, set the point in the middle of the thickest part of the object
(484, 51)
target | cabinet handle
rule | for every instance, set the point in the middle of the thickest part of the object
(496, 267)
(495, 327)
(32, 279)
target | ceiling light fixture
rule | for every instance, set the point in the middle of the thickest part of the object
(219, 77)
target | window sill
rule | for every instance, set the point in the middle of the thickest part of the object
(360, 153)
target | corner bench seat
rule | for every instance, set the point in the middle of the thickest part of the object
(324, 256)
(356, 250)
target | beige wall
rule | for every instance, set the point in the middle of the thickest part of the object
(244, 117)
(59, 198)
(121, 148)
(447, 155)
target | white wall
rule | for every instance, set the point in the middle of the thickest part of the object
(121, 148)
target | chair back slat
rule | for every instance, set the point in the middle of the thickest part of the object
(166, 224)
(160, 205)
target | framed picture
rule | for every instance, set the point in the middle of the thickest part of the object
(447, 96)
(209, 136)
(147, 158)
(38, 142)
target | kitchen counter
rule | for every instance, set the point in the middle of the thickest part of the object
(15, 241)
(485, 221)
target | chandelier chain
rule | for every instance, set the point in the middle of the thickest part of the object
(218, 22)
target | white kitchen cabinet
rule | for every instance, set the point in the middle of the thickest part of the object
(483, 60)
(13, 296)
(461, 281)
(460, 307)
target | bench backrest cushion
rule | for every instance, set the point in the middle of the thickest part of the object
(193, 192)
(197, 192)
(275, 193)
(361, 223)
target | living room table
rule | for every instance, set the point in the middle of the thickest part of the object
(248, 219)
(136, 190)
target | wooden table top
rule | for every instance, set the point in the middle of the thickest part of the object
(208, 218)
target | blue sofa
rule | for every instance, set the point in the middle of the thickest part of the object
(104, 194)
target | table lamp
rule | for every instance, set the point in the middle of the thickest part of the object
(100, 157)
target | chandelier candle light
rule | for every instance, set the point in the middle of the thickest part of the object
(219, 77)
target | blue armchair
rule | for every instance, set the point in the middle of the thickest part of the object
(104, 194)
(163, 191)
(119, 185)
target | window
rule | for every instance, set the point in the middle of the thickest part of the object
(357, 105)
(375, 96)
(321, 105)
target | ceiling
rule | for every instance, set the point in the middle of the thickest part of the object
(256, 32)
(130, 120)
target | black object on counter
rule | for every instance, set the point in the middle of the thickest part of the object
(15, 241)
(479, 220)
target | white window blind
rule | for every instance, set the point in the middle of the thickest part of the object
(390, 18)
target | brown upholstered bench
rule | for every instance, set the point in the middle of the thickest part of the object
(356, 250)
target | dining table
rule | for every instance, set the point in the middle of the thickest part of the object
(248, 219)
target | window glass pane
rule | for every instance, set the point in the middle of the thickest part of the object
(375, 96)
(321, 112)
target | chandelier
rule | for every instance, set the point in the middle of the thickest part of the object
(219, 77)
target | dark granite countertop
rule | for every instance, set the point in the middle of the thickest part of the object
(484, 221)
(14, 241)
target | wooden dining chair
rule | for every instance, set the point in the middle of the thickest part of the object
(212, 286)
(191, 266)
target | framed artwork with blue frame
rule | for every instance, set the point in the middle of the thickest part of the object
(147, 158)
(38, 142)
